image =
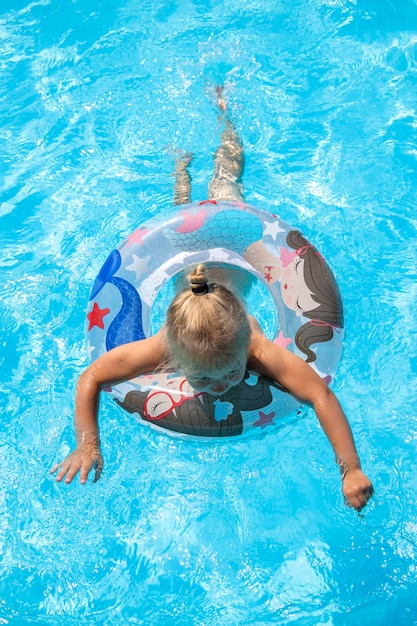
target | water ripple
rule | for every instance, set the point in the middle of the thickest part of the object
(93, 104)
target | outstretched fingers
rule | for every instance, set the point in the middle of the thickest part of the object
(79, 461)
(67, 471)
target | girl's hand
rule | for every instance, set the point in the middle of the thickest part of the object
(83, 459)
(357, 489)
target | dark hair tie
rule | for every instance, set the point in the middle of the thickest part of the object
(201, 289)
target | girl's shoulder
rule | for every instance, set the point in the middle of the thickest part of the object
(255, 326)
(258, 340)
(264, 355)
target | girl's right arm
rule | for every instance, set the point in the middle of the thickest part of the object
(113, 367)
(306, 385)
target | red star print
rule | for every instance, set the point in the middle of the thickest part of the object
(137, 236)
(95, 317)
(268, 276)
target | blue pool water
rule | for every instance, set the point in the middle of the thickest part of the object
(95, 98)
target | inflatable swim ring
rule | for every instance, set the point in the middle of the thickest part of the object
(237, 235)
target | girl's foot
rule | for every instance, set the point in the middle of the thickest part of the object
(220, 100)
(182, 161)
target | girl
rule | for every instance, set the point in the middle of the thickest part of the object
(209, 337)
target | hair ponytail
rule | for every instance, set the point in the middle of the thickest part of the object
(198, 280)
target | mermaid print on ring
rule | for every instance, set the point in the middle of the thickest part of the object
(308, 288)
(302, 286)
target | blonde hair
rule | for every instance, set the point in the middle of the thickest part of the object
(207, 327)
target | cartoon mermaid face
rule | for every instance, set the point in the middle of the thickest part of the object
(182, 410)
(308, 288)
(161, 402)
(323, 305)
(294, 290)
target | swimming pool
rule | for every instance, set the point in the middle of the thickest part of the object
(95, 99)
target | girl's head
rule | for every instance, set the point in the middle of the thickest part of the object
(208, 334)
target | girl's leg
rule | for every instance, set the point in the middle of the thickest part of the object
(226, 185)
(226, 182)
(182, 186)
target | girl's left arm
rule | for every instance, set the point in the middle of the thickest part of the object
(301, 381)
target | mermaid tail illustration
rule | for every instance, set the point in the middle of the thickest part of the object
(232, 229)
(127, 325)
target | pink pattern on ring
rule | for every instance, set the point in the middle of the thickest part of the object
(191, 222)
